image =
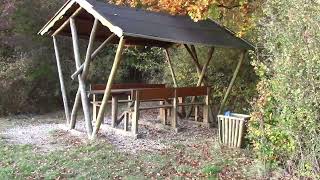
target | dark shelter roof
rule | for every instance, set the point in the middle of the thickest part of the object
(142, 27)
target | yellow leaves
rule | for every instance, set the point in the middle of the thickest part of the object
(197, 9)
(200, 9)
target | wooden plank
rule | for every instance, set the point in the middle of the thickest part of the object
(62, 86)
(156, 107)
(235, 74)
(226, 131)
(233, 132)
(191, 104)
(95, 87)
(223, 130)
(109, 85)
(191, 91)
(230, 132)
(219, 129)
(151, 94)
(82, 86)
(236, 133)
(240, 133)
(98, 103)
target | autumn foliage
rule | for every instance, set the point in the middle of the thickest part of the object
(197, 9)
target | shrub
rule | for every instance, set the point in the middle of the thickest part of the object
(285, 127)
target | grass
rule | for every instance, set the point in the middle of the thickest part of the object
(102, 161)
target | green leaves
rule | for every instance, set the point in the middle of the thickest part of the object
(287, 112)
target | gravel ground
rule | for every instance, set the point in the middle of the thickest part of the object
(48, 133)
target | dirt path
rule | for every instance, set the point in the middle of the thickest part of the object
(49, 133)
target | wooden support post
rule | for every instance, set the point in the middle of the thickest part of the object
(171, 68)
(84, 73)
(94, 54)
(107, 91)
(136, 115)
(242, 57)
(206, 107)
(114, 111)
(82, 85)
(182, 108)
(62, 86)
(126, 121)
(174, 109)
(196, 113)
(163, 114)
(94, 108)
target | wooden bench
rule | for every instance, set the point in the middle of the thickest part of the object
(171, 97)
(123, 91)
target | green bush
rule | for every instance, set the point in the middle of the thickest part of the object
(285, 124)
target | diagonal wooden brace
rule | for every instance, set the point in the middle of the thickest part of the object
(173, 74)
(77, 99)
(82, 85)
(202, 75)
(107, 91)
(84, 75)
(94, 54)
(242, 57)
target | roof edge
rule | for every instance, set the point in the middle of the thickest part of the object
(87, 7)
(60, 13)
(234, 34)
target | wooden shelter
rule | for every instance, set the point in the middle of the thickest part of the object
(109, 24)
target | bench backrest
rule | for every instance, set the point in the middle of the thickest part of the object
(192, 91)
(153, 94)
(166, 93)
(98, 87)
